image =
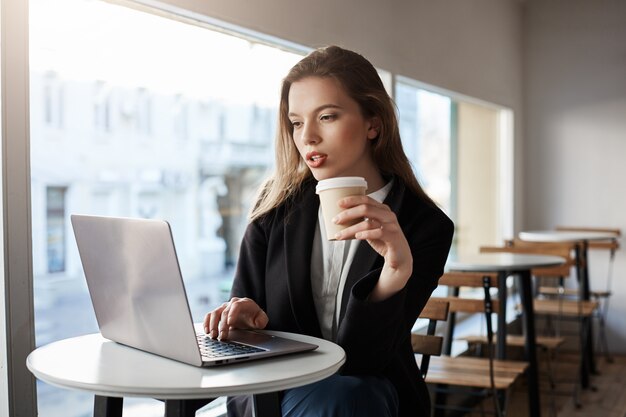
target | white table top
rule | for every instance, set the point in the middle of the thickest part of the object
(102, 367)
(564, 235)
(492, 262)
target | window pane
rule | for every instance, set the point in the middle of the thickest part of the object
(425, 126)
(478, 178)
(455, 147)
(137, 115)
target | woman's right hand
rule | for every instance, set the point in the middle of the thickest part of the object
(238, 313)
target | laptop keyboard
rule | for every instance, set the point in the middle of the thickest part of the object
(213, 348)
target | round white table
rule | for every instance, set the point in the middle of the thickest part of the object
(112, 371)
(506, 264)
(495, 262)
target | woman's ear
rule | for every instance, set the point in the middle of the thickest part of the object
(374, 129)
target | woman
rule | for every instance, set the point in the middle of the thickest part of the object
(365, 290)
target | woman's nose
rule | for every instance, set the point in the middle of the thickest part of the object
(310, 135)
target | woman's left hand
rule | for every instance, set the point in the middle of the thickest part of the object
(380, 228)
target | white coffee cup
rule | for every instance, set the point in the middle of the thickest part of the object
(331, 191)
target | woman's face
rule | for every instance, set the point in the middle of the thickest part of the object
(331, 134)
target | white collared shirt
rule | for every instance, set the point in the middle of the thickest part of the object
(330, 264)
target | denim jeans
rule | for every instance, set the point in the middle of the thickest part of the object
(335, 396)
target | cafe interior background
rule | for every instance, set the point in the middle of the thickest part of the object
(532, 96)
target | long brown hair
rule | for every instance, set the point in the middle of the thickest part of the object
(362, 83)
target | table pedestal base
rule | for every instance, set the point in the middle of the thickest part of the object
(264, 405)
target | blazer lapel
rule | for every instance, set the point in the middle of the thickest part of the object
(300, 226)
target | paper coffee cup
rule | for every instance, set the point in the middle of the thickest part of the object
(331, 191)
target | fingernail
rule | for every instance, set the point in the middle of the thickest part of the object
(338, 236)
(335, 219)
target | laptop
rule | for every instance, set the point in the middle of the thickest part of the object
(139, 297)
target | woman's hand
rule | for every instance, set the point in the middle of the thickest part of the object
(380, 228)
(238, 313)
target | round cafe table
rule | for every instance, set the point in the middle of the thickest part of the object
(112, 371)
(507, 264)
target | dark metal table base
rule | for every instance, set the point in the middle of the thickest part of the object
(265, 405)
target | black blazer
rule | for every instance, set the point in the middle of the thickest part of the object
(274, 269)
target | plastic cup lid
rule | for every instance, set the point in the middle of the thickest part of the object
(340, 182)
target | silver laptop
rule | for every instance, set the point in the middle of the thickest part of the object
(139, 297)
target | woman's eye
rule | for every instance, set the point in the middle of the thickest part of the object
(296, 124)
(328, 117)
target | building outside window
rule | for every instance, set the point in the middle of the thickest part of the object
(179, 114)
(56, 239)
(53, 100)
(102, 106)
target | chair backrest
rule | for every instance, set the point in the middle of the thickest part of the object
(468, 280)
(485, 305)
(435, 310)
(429, 344)
(612, 245)
(565, 250)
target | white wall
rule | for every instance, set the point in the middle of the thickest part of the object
(575, 168)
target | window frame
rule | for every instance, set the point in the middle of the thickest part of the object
(18, 394)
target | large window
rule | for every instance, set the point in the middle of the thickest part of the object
(461, 151)
(138, 115)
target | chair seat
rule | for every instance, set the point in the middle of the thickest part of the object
(571, 292)
(565, 308)
(558, 291)
(473, 372)
(546, 342)
(601, 294)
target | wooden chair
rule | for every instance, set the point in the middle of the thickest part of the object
(551, 301)
(556, 307)
(483, 377)
(430, 344)
(601, 296)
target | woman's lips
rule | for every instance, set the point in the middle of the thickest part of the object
(315, 159)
